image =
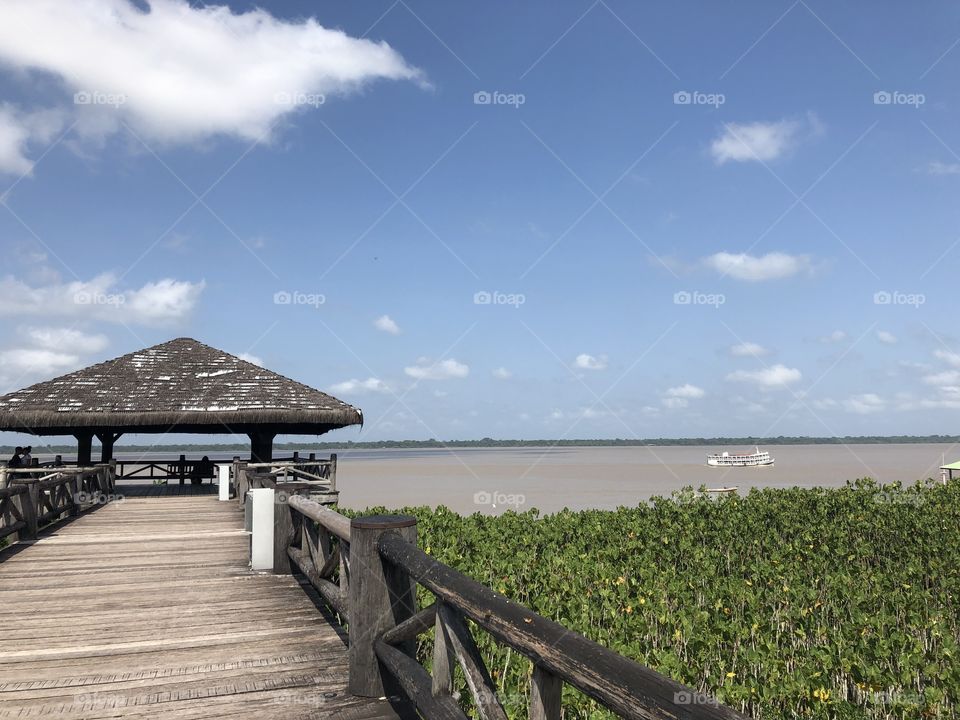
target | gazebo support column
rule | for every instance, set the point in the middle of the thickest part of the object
(84, 448)
(107, 439)
(261, 446)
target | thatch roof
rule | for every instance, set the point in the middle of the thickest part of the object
(181, 385)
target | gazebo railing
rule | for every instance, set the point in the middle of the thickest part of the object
(313, 476)
(32, 498)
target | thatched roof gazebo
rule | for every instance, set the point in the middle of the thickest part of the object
(178, 386)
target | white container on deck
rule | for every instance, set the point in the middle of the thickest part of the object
(261, 528)
(223, 480)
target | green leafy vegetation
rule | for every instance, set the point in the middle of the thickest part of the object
(785, 603)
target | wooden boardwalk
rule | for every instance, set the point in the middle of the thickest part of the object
(145, 608)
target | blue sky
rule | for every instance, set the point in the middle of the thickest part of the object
(689, 219)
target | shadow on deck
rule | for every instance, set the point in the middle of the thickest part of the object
(146, 608)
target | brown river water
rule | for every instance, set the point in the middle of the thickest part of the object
(496, 479)
(492, 480)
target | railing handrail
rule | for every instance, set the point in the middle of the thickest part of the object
(614, 680)
(558, 654)
(47, 499)
(333, 521)
(288, 463)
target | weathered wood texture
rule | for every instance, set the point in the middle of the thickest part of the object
(380, 597)
(620, 684)
(145, 608)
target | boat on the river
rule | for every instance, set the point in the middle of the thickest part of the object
(759, 458)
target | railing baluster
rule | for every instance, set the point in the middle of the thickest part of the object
(443, 658)
(478, 677)
(546, 693)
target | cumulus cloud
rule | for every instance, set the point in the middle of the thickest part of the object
(760, 141)
(36, 361)
(864, 404)
(253, 359)
(777, 376)
(681, 395)
(748, 349)
(886, 337)
(65, 340)
(834, 337)
(359, 387)
(688, 391)
(947, 377)
(19, 130)
(951, 358)
(155, 303)
(589, 362)
(501, 373)
(772, 266)
(44, 351)
(443, 370)
(386, 324)
(180, 72)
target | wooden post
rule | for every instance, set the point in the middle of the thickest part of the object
(381, 596)
(261, 447)
(76, 488)
(28, 507)
(58, 461)
(3, 476)
(107, 439)
(182, 468)
(282, 529)
(313, 456)
(333, 471)
(296, 456)
(84, 448)
(546, 693)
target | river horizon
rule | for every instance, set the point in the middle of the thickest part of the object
(492, 480)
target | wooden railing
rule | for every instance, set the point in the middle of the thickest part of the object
(298, 476)
(35, 497)
(368, 569)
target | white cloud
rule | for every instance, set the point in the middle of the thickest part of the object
(589, 362)
(182, 72)
(387, 325)
(66, 340)
(501, 373)
(947, 377)
(834, 337)
(748, 349)
(864, 404)
(760, 141)
(772, 266)
(36, 362)
(443, 370)
(253, 359)
(674, 403)
(155, 303)
(19, 130)
(688, 391)
(825, 403)
(359, 387)
(772, 377)
(886, 337)
(940, 168)
(951, 358)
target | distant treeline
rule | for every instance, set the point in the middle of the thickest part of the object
(491, 443)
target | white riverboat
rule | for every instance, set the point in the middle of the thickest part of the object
(755, 459)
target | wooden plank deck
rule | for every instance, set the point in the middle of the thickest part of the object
(146, 608)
